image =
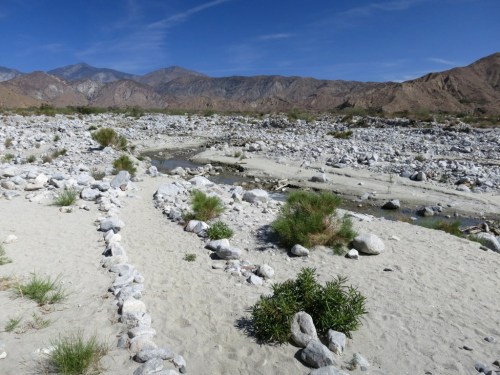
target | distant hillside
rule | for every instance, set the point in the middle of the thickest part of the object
(474, 88)
(6, 73)
(84, 71)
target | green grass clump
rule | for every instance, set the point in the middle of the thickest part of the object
(108, 137)
(341, 135)
(97, 174)
(3, 257)
(190, 257)
(308, 219)
(58, 153)
(124, 163)
(74, 355)
(333, 306)
(42, 290)
(31, 159)
(56, 138)
(205, 207)
(8, 142)
(66, 198)
(446, 226)
(8, 157)
(12, 324)
(421, 158)
(219, 230)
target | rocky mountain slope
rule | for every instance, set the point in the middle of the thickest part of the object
(474, 88)
(6, 73)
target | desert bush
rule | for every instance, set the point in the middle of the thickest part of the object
(66, 198)
(47, 159)
(3, 257)
(108, 137)
(8, 142)
(341, 135)
(56, 138)
(58, 153)
(309, 219)
(420, 158)
(124, 163)
(205, 207)
(219, 230)
(97, 174)
(31, 159)
(74, 355)
(42, 290)
(8, 157)
(333, 306)
(190, 257)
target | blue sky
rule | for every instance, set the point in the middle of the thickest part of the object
(363, 40)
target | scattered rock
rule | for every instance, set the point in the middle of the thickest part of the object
(353, 254)
(316, 355)
(266, 271)
(256, 195)
(392, 205)
(300, 251)
(336, 341)
(302, 329)
(328, 370)
(150, 367)
(112, 223)
(368, 244)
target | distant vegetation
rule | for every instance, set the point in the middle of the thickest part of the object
(107, 137)
(124, 163)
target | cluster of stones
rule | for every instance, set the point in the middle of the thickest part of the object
(127, 288)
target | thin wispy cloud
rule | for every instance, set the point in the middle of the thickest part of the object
(442, 61)
(183, 16)
(275, 36)
(386, 6)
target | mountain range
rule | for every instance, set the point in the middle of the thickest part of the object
(474, 88)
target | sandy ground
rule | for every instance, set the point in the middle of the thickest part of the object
(441, 294)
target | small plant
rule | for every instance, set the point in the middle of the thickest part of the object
(205, 207)
(124, 163)
(97, 174)
(8, 142)
(333, 306)
(56, 138)
(190, 257)
(42, 290)
(74, 355)
(66, 198)
(12, 324)
(108, 137)
(421, 158)
(58, 153)
(3, 258)
(341, 135)
(309, 219)
(31, 159)
(38, 322)
(8, 157)
(237, 154)
(6, 283)
(47, 159)
(446, 226)
(219, 230)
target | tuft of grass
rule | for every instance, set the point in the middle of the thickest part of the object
(31, 159)
(6, 283)
(97, 174)
(421, 158)
(332, 306)
(3, 257)
(124, 163)
(190, 257)
(219, 230)
(56, 138)
(109, 137)
(66, 198)
(205, 207)
(8, 157)
(446, 226)
(92, 127)
(12, 324)
(58, 153)
(309, 219)
(8, 142)
(42, 290)
(341, 135)
(38, 322)
(47, 159)
(74, 355)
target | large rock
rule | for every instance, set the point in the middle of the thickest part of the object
(121, 180)
(336, 341)
(368, 244)
(302, 329)
(266, 271)
(300, 251)
(88, 194)
(161, 353)
(170, 190)
(489, 241)
(228, 253)
(256, 195)
(150, 367)
(113, 223)
(216, 244)
(132, 306)
(392, 205)
(319, 178)
(200, 181)
(316, 355)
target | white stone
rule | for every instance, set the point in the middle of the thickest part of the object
(300, 251)
(368, 244)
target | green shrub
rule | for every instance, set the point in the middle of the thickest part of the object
(205, 207)
(73, 355)
(31, 159)
(42, 290)
(108, 137)
(66, 198)
(446, 226)
(420, 158)
(97, 174)
(190, 257)
(8, 157)
(58, 153)
(56, 138)
(124, 163)
(341, 135)
(12, 324)
(308, 219)
(219, 230)
(333, 306)
(3, 257)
